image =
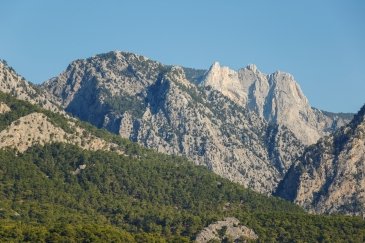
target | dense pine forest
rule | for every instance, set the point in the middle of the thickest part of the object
(61, 193)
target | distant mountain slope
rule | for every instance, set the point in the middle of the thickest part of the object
(12, 83)
(157, 106)
(277, 98)
(329, 176)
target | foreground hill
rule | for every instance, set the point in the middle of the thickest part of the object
(329, 176)
(62, 191)
(164, 108)
(24, 125)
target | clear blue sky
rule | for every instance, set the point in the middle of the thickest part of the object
(321, 42)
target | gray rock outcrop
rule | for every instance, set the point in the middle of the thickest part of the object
(330, 175)
(12, 83)
(229, 228)
(277, 98)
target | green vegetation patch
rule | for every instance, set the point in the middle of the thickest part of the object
(158, 196)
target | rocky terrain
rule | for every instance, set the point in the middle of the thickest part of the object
(60, 173)
(244, 125)
(4, 108)
(162, 107)
(227, 229)
(330, 175)
(276, 97)
(12, 83)
(23, 125)
(36, 128)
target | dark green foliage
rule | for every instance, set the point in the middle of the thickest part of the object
(222, 231)
(21, 108)
(123, 103)
(332, 115)
(142, 196)
(194, 75)
(160, 195)
(10, 230)
(59, 121)
(18, 109)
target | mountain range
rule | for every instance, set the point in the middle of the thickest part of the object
(62, 179)
(256, 129)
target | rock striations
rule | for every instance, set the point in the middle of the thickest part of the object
(165, 108)
(330, 175)
(277, 98)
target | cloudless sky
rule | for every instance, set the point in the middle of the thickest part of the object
(320, 42)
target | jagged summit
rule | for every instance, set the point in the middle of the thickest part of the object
(252, 67)
(215, 64)
(122, 54)
(11, 82)
(275, 97)
(217, 67)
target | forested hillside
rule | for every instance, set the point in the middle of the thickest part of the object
(43, 196)
(61, 192)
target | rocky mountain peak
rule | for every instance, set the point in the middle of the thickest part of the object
(8, 73)
(280, 75)
(252, 67)
(177, 74)
(14, 84)
(276, 97)
(220, 74)
(226, 81)
(215, 65)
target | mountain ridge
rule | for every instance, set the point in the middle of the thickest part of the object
(11, 82)
(176, 110)
(275, 97)
(157, 106)
(59, 191)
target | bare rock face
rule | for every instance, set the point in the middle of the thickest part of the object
(36, 128)
(17, 86)
(277, 98)
(162, 107)
(229, 228)
(4, 108)
(330, 176)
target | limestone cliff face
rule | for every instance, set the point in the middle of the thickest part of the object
(162, 107)
(277, 98)
(330, 175)
(14, 84)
